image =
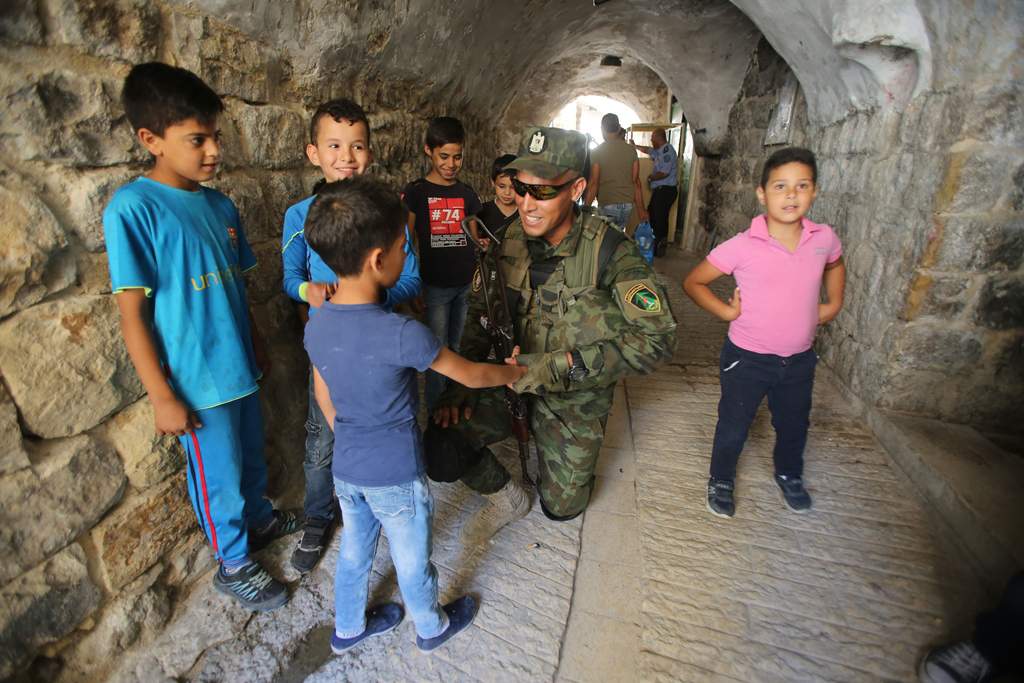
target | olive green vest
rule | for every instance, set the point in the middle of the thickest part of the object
(566, 311)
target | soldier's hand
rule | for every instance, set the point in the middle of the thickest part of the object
(449, 415)
(511, 360)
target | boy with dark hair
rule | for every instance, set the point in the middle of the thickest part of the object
(437, 205)
(339, 144)
(365, 361)
(498, 213)
(177, 253)
(779, 264)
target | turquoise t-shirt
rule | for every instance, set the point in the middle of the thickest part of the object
(187, 250)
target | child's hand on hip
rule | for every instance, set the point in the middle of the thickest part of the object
(734, 310)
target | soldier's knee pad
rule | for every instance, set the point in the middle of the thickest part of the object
(448, 453)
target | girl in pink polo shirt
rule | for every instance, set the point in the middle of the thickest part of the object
(779, 264)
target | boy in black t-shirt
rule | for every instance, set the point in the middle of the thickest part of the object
(437, 205)
(498, 213)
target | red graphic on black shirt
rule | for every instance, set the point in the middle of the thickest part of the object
(446, 214)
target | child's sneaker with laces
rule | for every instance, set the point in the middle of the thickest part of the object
(379, 620)
(720, 497)
(955, 663)
(252, 586)
(794, 495)
(315, 536)
(285, 522)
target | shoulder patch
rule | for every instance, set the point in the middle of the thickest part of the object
(639, 299)
(643, 297)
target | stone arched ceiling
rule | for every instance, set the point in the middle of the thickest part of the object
(487, 55)
(848, 55)
(513, 62)
(633, 84)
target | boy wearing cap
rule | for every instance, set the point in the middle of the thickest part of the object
(587, 311)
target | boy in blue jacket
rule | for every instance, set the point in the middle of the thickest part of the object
(340, 147)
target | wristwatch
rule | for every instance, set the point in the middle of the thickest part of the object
(578, 370)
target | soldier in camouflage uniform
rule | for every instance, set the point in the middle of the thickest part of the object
(586, 310)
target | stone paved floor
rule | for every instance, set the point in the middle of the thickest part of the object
(853, 591)
(648, 586)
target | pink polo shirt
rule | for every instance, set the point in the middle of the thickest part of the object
(779, 289)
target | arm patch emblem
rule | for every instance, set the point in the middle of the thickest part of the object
(644, 298)
(639, 299)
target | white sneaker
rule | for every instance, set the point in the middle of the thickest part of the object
(956, 663)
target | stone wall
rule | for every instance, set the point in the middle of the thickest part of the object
(928, 203)
(97, 536)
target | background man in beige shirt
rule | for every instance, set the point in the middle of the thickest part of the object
(615, 176)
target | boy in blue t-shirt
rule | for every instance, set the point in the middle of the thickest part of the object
(177, 253)
(340, 146)
(365, 361)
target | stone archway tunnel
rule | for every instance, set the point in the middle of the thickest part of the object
(913, 108)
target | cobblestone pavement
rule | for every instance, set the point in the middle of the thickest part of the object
(649, 586)
(853, 591)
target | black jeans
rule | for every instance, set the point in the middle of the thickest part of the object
(999, 634)
(746, 378)
(661, 203)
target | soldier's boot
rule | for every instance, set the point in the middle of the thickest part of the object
(507, 504)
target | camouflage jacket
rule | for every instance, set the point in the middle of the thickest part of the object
(619, 319)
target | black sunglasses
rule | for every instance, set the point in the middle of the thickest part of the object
(540, 192)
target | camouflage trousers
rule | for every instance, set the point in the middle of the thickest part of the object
(568, 430)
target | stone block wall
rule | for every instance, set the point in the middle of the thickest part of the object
(97, 536)
(928, 203)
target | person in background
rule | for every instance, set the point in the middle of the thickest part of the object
(615, 176)
(437, 204)
(663, 186)
(498, 213)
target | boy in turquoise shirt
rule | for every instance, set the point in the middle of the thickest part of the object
(177, 253)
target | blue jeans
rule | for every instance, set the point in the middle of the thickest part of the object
(318, 505)
(618, 213)
(227, 476)
(405, 511)
(746, 378)
(446, 316)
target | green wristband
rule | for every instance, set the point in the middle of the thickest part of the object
(302, 291)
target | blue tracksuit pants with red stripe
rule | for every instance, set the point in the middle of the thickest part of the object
(227, 476)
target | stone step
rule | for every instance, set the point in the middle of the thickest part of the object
(971, 483)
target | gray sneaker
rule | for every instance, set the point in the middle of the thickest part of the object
(283, 523)
(253, 587)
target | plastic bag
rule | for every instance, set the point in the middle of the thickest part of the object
(644, 238)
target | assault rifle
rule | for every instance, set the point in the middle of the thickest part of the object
(501, 330)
